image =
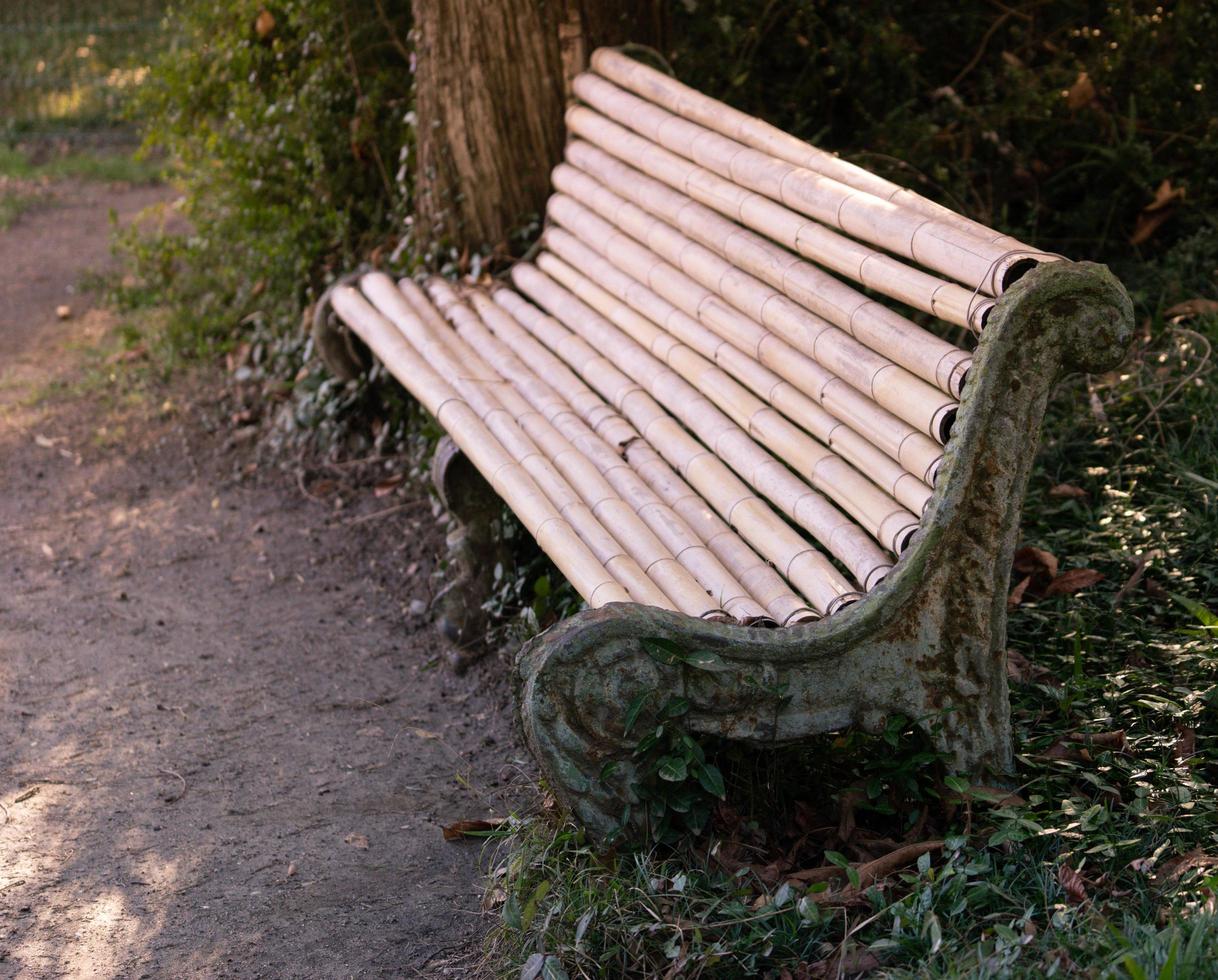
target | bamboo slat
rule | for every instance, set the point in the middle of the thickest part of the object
(665, 91)
(640, 540)
(698, 281)
(522, 448)
(874, 269)
(882, 516)
(928, 241)
(534, 335)
(528, 396)
(881, 329)
(586, 573)
(843, 538)
(569, 390)
(609, 291)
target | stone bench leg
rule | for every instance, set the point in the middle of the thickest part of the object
(928, 643)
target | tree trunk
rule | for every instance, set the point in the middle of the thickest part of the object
(491, 79)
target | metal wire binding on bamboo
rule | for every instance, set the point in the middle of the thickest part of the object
(884, 518)
(679, 98)
(536, 336)
(928, 241)
(637, 310)
(876, 270)
(842, 537)
(649, 543)
(698, 281)
(586, 573)
(668, 526)
(633, 555)
(883, 330)
(510, 345)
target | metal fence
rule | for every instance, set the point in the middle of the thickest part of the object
(67, 64)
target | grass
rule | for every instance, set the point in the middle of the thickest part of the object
(114, 166)
(1100, 867)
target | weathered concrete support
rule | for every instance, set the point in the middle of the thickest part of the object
(929, 642)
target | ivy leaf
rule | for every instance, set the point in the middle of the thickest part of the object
(664, 651)
(672, 768)
(712, 780)
(635, 709)
(675, 708)
(706, 660)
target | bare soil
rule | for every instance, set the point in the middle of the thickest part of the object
(227, 747)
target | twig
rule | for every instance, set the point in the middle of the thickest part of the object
(1132, 582)
(364, 518)
(180, 778)
(5, 809)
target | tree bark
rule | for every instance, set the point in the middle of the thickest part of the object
(491, 81)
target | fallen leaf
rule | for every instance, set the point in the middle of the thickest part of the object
(387, 486)
(1075, 746)
(423, 733)
(1081, 93)
(357, 840)
(264, 23)
(1023, 671)
(1035, 561)
(28, 794)
(1186, 744)
(471, 828)
(291, 869)
(1151, 217)
(1073, 883)
(1173, 869)
(1016, 596)
(1192, 307)
(1073, 580)
(853, 963)
(63, 311)
(1069, 491)
(48, 551)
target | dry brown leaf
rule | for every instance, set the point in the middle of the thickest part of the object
(852, 964)
(357, 840)
(1073, 883)
(1022, 670)
(1016, 596)
(1073, 580)
(1186, 744)
(264, 23)
(1068, 490)
(469, 828)
(1082, 92)
(1035, 561)
(1151, 217)
(388, 485)
(1173, 869)
(1192, 307)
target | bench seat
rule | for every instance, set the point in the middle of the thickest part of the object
(745, 384)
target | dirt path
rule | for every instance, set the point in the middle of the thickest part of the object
(226, 748)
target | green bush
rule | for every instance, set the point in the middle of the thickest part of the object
(290, 129)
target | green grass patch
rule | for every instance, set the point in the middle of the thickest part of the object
(110, 166)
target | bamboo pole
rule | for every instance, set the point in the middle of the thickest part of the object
(633, 555)
(842, 537)
(553, 533)
(882, 516)
(928, 241)
(919, 350)
(607, 549)
(691, 104)
(543, 415)
(515, 345)
(636, 310)
(881, 329)
(697, 280)
(534, 333)
(874, 269)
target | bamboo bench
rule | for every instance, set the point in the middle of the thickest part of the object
(734, 390)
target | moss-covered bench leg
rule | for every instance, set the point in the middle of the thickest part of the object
(930, 641)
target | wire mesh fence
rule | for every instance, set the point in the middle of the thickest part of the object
(67, 64)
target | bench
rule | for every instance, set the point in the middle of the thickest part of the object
(772, 416)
